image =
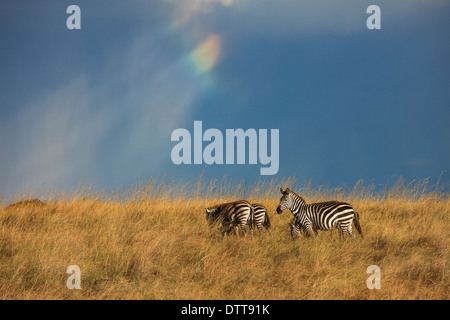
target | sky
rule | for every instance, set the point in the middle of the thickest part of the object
(98, 105)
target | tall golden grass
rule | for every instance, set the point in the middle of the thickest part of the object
(151, 241)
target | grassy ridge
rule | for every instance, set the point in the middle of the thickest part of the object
(152, 242)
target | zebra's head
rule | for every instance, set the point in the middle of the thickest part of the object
(285, 200)
(211, 215)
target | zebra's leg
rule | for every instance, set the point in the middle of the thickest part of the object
(250, 228)
(226, 231)
(259, 227)
(343, 231)
(295, 230)
(350, 231)
(242, 227)
(309, 231)
(302, 231)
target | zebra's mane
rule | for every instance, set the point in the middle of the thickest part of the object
(297, 195)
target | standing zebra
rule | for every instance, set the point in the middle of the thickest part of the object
(231, 215)
(318, 216)
(261, 217)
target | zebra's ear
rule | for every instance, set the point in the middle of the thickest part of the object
(207, 210)
(287, 190)
(281, 190)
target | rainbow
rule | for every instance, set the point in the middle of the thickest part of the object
(201, 52)
(206, 55)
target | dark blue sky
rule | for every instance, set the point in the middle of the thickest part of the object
(98, 105)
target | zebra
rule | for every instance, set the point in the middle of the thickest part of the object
(231, 215)
(318, 216)
(296, 229)
(261, 217)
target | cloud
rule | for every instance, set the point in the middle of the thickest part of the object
(307, 17)
(185, 11)
(200, 6)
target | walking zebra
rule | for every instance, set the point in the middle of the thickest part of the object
(231, 215)
(318, 216)
(261, 217)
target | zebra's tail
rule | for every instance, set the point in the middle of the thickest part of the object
(266, 222)
(357, 225)
(251, 217)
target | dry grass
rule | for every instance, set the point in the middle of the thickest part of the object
(152, 242)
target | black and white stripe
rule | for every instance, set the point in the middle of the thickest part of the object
(318, 216)
(231, 215)
(261, 217)
(296, 230)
